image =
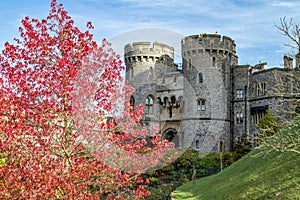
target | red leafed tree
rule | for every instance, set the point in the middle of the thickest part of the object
(42, 84)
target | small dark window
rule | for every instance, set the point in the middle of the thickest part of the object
(151, 72)
(173, 100)
(221, 146)
(131, 101)
(197, 144)
(214, 61)
(200, 78)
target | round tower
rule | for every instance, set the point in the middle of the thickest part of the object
(145, 61)
(208, 60)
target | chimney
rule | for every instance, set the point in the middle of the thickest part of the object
(288, 62)
(298, 60)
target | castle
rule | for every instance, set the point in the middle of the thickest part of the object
(210, 101)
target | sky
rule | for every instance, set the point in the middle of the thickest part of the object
(251, 23)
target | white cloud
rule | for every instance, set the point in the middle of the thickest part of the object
(285, 4)
(249, 23)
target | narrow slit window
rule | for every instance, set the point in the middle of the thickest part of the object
(200, 78)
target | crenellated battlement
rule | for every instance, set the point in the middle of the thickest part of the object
(212, 43)
(147, 52)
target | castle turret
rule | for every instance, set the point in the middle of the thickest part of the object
(208, 60)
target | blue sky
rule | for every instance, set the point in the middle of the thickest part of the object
(249, 22)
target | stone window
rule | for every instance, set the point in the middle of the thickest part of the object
(200, 76)
(239, 118)
(257, 113)
(201, 105)
(239, 93)
(190, 64)
(149, 106)
(260, 89)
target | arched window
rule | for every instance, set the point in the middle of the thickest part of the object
(172, 136)
(131, 102)
(200, 77)
(149, 107)
(201, 105)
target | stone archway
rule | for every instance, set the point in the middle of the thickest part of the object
(172, 136)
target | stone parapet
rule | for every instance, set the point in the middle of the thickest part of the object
(147, 52)
(201, 43)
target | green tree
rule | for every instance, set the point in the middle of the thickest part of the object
(287, 139)
(268, 126)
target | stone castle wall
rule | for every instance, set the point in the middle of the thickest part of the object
(210, 73)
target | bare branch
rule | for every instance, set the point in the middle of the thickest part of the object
(291, 30)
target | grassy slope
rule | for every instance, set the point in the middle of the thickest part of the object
(272, 176)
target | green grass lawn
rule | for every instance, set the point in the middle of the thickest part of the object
(271, 176)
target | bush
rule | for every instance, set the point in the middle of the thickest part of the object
(242, 147)
(189, 166)
(204, 164)
(163, 192)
